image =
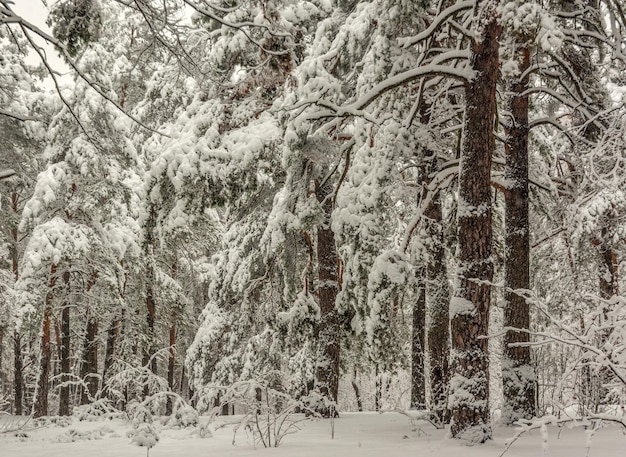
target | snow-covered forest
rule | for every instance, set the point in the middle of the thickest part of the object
(282, 210)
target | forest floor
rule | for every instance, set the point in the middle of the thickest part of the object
(356, 434)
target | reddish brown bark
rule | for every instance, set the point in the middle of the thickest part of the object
(171, 363)
(64, 350)
(438, 300)
(469, 310)
(89, 367)
(418, 340)
(327, 371)
(150, 349)
(41, 398)
(18, 376)
(518, 375)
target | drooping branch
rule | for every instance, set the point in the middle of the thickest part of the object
(9, 17)
(439, 20)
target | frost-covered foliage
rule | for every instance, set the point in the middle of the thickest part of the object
(530, 23)
(23, 113)
(352, 52)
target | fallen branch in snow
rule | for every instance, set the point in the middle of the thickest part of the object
(594, 420)
(13, 424)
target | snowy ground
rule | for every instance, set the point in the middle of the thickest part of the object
(356, 434)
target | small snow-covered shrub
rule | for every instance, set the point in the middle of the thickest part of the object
(139, 414)
(59, 421)
(73, 435)
(184, 416)
(203, 431)
(269, 414)
(97, 410)
(143, 433)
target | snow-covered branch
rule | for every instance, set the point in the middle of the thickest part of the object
(438, 21)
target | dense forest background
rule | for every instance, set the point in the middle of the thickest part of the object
(364, 204)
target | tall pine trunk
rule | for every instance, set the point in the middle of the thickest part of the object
(171, 362)
(18, 363)
(40, 408)
(518, 375)
(171, 366)
(64, 391)
(327, 371)
(438, 301)
(18, 375)
(89, 367)
(149, 358)
(418, 343)
(469, 307)
(609, 278)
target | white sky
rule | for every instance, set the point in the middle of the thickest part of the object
(32, 10)
(35, 12)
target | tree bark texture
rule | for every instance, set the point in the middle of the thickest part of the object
(609, 279)
(171, 365)
(518, 375)
(40, 408)
(469, 307)
(18, 376)
(327, 370)
(418, 337)
(438, 310)
(171, 362)
(18, 363)
(2, 376)
(64, 391)
(150, 349)
(89, 367)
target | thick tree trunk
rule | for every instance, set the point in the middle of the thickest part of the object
(171, 365)
(171, 362)
(18, 363)
(89, 367)
(438, 309)
(40, 408)
(64, 391)
(327, 371)
(418, 378)
(150, 349)
(609, 279)
(2, 377)
(518, 375)
(469, 307)
(18, 375)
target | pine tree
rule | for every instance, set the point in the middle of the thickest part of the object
(469, 308)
